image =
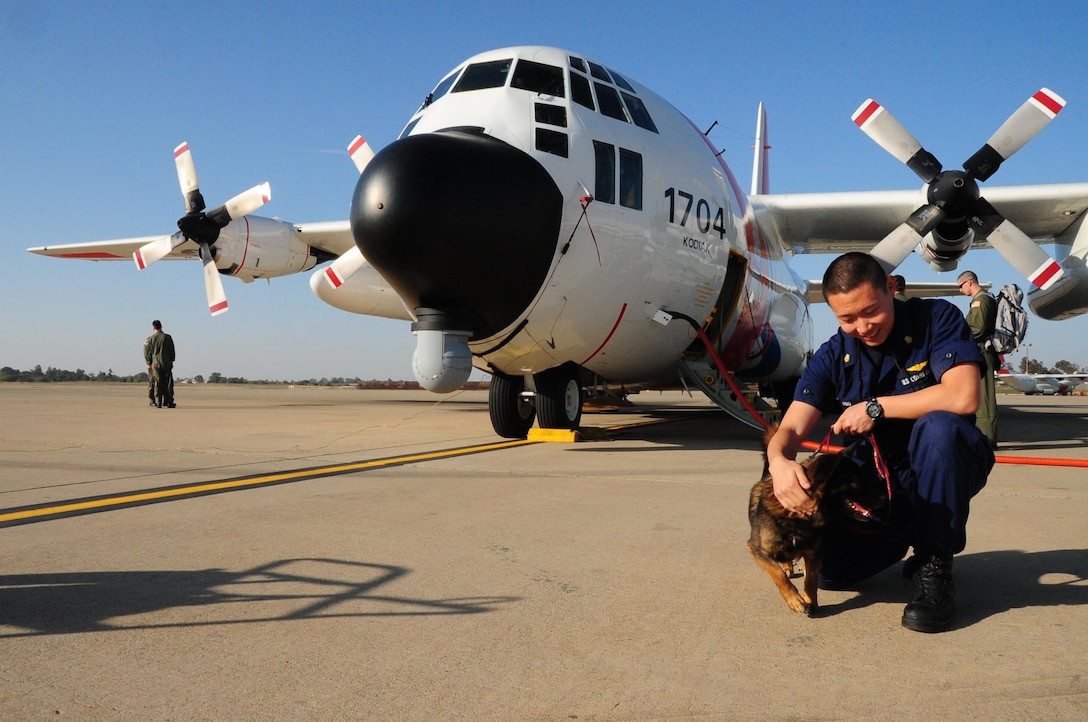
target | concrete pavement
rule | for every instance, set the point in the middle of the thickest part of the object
(602, 580)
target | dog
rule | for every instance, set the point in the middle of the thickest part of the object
(780, 537)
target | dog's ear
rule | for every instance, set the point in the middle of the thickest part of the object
(849, 450)
(767, 436)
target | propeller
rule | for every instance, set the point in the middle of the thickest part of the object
(351, 260)
(201, 227)
(955, 210)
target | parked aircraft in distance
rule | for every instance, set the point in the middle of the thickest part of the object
(555, 223)
(1031, 384)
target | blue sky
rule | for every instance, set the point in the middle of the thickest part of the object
(96, 95)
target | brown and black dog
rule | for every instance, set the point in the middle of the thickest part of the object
(780, 537)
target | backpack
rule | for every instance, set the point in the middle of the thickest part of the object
(1012, 319)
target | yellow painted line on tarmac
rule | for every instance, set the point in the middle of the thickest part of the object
(110, 502)
(23, 515)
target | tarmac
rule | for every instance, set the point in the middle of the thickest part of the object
(265, 553)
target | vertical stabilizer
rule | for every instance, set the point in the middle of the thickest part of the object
(761, 174)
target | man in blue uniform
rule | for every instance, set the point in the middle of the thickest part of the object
(906, 373)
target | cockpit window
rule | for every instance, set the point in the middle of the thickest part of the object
(638, 112)
(598, 72)
(616, 97)
(580, 92)
(478, 76)
(621, 81)
(440, 89)
(609, 100)
(539, 78)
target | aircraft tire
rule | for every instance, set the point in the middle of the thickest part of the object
(511, 415)
(559, 397)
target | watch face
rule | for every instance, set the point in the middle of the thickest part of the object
(873, 409)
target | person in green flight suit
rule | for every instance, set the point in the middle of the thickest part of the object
(982, 317)
(159, 356)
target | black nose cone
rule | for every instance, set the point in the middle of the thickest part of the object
(461, 221)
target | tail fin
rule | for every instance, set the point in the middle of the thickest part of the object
(761, 173)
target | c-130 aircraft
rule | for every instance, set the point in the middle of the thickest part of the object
(556, 224)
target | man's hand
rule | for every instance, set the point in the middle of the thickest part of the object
(791, 486)
(855, 420)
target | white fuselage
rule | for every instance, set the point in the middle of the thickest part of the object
(655, 231)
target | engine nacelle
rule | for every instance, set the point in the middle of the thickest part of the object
(254, 247)
(364, 292)
(1069, 296)
(943, 253)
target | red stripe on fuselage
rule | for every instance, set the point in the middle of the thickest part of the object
(608, 337)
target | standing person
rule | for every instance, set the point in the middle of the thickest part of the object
(904, 376)
(149, 356)
(900, 288)
(982, 317)
(159, 355)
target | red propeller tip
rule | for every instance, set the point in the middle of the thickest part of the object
(861, 117)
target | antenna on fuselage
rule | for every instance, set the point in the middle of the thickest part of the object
(761, 173)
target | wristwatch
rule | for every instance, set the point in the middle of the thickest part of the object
(874, 409)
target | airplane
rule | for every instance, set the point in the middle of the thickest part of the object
(1031, 384)
(553, 222)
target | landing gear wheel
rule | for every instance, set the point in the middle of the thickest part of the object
(511, 413)
(559, 397)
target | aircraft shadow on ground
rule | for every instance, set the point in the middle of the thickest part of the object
(990, 583)
(81, 602)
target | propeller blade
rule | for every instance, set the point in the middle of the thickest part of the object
(190, 186)
(241, 205)
(1022, 126)
(156, 250)
(344, 267)
(213, 283)
(880, 125)
(894, 248)
(360, 152)
(1018, 249)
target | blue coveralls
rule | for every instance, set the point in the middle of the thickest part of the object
(937, 463)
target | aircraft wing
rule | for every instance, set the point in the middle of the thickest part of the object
(119, 250)
(331, 236)
(814, 289)
(856, 221)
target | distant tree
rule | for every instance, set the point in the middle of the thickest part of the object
(1066, 367)
(1032, 366)
(198, 379)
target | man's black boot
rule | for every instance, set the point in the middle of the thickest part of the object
(934, 596)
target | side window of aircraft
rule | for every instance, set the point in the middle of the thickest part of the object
(551, 114)
(539, 78)
(610, 102)
(408, 129)
(604, 185)
(580, 92)
(552, 141)
(478, 76)
(630, 179)
(578, 64)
